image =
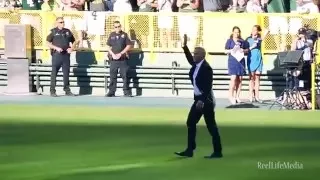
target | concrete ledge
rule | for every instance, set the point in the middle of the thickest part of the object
(161, 93)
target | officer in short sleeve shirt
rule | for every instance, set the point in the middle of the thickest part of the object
(60, 41)
(119, 44)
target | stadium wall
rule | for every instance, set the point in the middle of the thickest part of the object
(212, 31)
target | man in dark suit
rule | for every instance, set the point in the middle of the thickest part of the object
(201, 77)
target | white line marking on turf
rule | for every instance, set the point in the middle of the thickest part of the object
(75, 171)
(118, 167)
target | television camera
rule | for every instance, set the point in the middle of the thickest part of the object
(297, 72)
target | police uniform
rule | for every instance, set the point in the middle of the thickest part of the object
(118, 42)
(60, 38)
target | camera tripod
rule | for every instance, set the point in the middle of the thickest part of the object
(291, 97)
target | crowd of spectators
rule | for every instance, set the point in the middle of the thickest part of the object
(251, 6)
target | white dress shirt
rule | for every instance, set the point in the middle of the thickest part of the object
(195, 73)
(195, 87)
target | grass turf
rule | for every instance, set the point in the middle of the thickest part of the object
(104, 143)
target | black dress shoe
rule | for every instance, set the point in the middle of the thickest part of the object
(214, 156)
(53, 95)
(110, 95)
(184, 154)
(69, 93)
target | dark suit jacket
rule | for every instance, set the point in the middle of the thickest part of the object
(204, 78)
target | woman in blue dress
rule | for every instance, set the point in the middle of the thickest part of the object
(236, 63)
(254, 62)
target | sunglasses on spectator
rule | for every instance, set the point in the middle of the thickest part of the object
(61, 22)
(117, 26)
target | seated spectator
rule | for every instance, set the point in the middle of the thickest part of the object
(10, 4)
(51, 5)
(97, 5)
(264, 5)
(109, 4)
(254, 6)
(147, 5)
(73, 5)
(3, 3)
(122, 6)
(215, 5)
(188, 5)
(317, 3)
(238, 6)
(57, 5)
(45, 6)
(307, 6)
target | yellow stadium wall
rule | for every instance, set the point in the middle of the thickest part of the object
(212, 32)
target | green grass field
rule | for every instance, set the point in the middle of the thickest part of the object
(104, 143)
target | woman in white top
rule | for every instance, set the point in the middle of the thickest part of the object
(254, 6)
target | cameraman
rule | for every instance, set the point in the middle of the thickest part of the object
(305, 43)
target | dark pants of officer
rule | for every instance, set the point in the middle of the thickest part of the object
(115, 65)
(60, 60)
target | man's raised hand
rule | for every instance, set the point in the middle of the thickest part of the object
(185, 40)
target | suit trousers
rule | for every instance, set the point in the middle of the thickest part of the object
(209, 117)
(115, 66)
(60, 60)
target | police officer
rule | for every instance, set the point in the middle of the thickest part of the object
(60, 41)
(119, 44)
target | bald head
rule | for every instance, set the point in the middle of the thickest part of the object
(199, 54)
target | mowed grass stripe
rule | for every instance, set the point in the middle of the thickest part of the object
(135, 115)
(120, 143)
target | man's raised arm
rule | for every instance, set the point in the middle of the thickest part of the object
(187, 51)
